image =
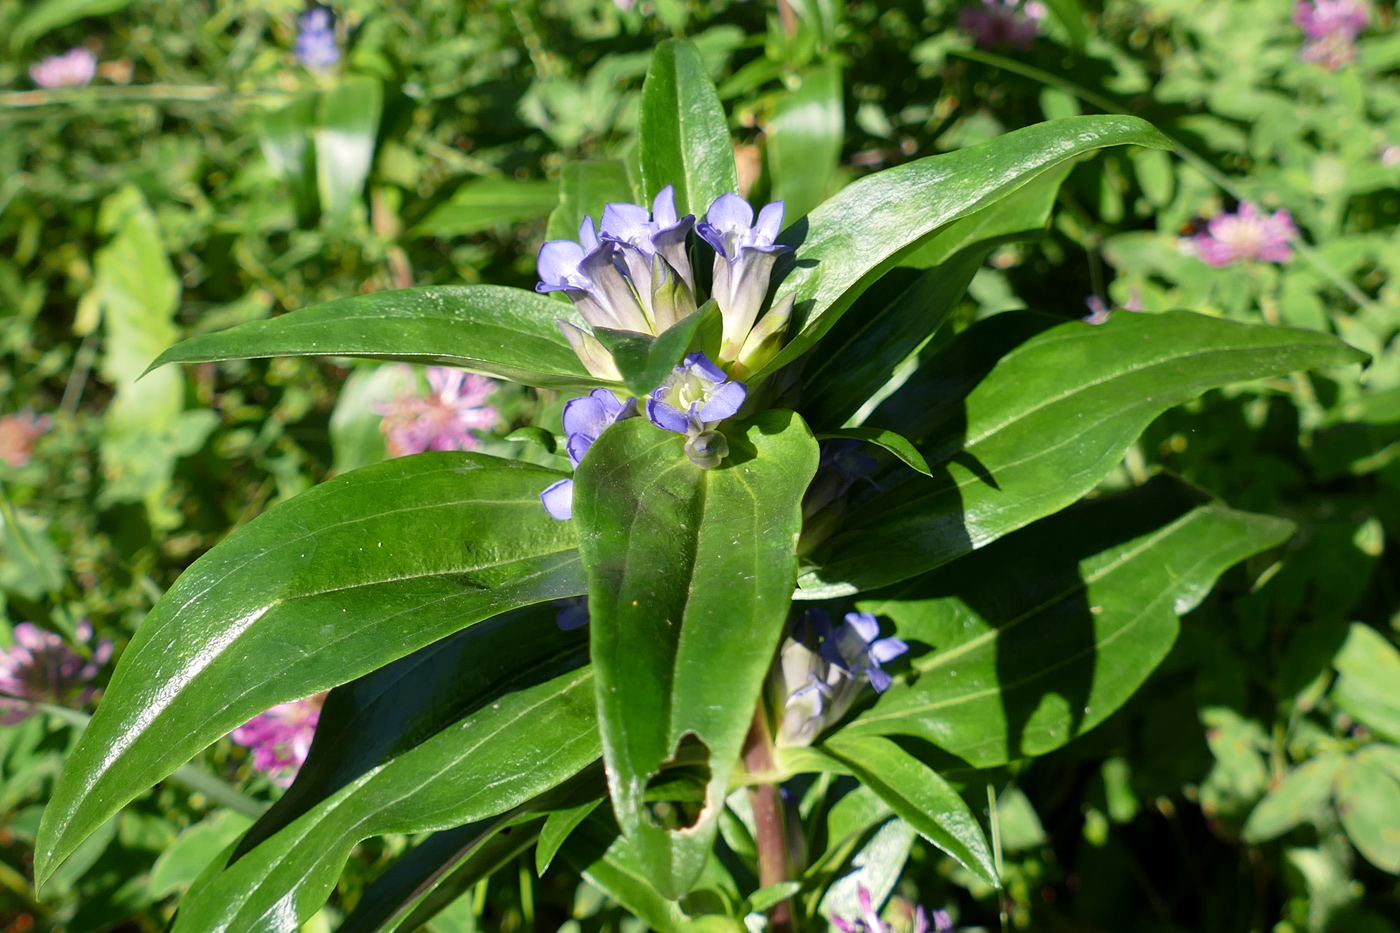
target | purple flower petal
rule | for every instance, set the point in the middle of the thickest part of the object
(730, 212)
(770, 221)
(887, 649)
(725, 402)
(663, 208)
(558, 500)
(703, 366)
(667, 417)
(865, 625)
(587, 235)
(558, 265)
(625, 222)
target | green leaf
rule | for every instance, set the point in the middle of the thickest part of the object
(349, 121)
(604, 857)
(872, 860)
(1301, 795)
(764, 898)
(645, 360)
(919, 796)
(48, 15)
(194, 850)
(690, 575)
(1369, 667)
(508, 333)
(853, 238)
(285, 136)
(517, 746)
(685, 136)
(1009, 665)
(487, 204)
(319, 590)
(584, 188)
(888, 440)
(804, 141)
(557, 829)
(467, 870)
(1368, 801)
(1023, 413)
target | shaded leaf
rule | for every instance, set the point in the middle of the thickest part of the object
(1301, 795)
(645, 360)
(887, 440)
(1369, 666)
(1368, 801)
(556, 829)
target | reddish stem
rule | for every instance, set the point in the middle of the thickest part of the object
(770, 831)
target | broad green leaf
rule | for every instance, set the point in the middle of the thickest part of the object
(489, 203)
(349, 121)
(48, 15)
(1008, 665)
(687, 575)
(1369, 666)
(584, 188)
(684, 133)
(604, 857)
(855, 237)
(1300, 796)
(1023, 413)
(321, 589)
(804, 141)
(371, 720)
(508, 333)
(285, 136)
(519, 745)
(556, 829)
(887, 440)
(645, 360)
(920, 797)
(1368, 801)
(195, 849)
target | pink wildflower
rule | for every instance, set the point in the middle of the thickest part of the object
(41, 668)
(869, 920)
(281, 737)
(17, 436)
(73, 68)
(995, 23)
(1246, 234)
(1331, 27)
(444, 420)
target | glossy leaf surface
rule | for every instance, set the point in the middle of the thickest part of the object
(886, 440)
(361, 570)
(685, 136)
(804, 141)
(690, 577)
(1005, 666)
(521, 744)
(919, 796)
(852, 239)
(1024, 413)
(504, 332)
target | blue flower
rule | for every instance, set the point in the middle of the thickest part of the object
(573, 612)
(695, 397)
(585, 420)
(856, 647)
(653, 250)
(590, 273)
(316, 48)
(745, 253)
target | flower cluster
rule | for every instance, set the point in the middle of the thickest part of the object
(41, 668)
(444, 419)
(18, 433)
(1246, 234)
(585, 420)
(869, 920)
(316, 46)
(74, 68)
(823, 668)
(633, 273)
(1331, 27)
(995, 23)
(691, 401)
(281, 737)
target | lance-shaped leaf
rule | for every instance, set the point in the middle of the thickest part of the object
(519, 745)
(804, 140)
(364, 569)
(1035, 640)
(920, 797)
(1024, 413)
(685, 136)
(852, 239)
(687, 576)
(504, 332)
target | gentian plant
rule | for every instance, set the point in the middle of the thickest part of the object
(773, 426)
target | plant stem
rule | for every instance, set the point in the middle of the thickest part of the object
(770, 833)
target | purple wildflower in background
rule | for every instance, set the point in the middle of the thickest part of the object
(697, 396)
(1331, 27)
(1099, 312)
(316, 46)
(994, 23)
(74, 68)
(573, 612)
(585, 420)
(281, 737)
(444, 419)
(1246, 234)
(41, 668)
(745, 253)
(869, 920)
(18, 432)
